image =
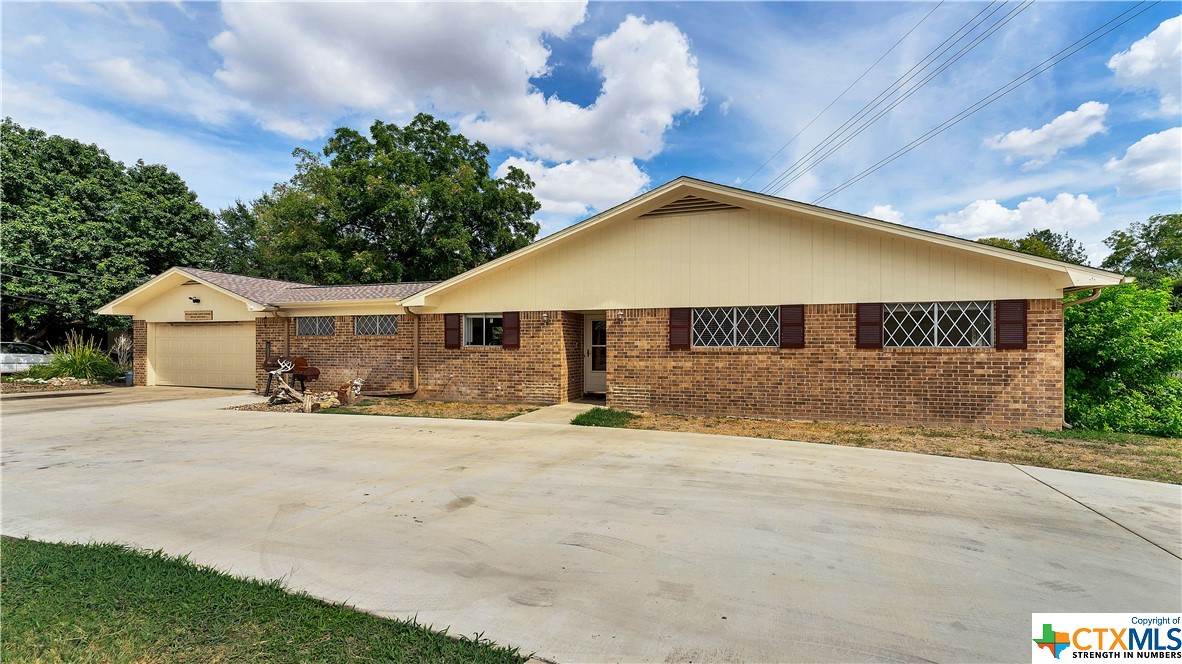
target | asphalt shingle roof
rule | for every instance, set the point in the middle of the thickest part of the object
(273, 291)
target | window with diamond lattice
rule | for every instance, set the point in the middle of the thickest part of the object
(315, 326)
(749, 327)
(938, 325)
(385, 325)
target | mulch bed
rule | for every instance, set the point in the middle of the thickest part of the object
(59, 385)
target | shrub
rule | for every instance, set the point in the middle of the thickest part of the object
(78, 358)
(1124, 354)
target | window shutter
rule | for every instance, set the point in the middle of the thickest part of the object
(1009, 324)
(791, 326)
(679, 329)
(451, 331)
(511, 330)
(869, 325)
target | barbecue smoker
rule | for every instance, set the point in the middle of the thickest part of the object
(290, 371)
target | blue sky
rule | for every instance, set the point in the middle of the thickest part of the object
(600, 102)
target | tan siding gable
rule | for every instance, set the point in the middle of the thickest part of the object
(739, 257)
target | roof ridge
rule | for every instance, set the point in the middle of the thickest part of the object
(242, 276)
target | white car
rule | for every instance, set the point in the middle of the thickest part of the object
(16, 356)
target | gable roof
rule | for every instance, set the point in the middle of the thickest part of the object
(687, 194)
(260, 294)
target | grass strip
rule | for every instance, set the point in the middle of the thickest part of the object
(110, 603)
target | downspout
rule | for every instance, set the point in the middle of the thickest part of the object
(1095, 294)
(414, 381)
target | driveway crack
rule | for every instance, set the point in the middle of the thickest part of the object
(1096, 512)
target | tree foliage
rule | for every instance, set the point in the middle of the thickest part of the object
(1151, 251)
(405, 203)
(1124, 355)
(1045, 243)
(104, 227)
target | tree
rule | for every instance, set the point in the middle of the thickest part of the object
(80, 229)
(405, 203)
(1151, 251)
(1045, 243)
(1124, 355)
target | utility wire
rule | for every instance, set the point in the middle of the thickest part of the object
(45, 269)
(956, 57)
(843, 92)
(922, 64)
(1029, 75)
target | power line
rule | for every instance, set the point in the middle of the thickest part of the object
(843, 92)
(832, 148)
(922, 64)
(45, 269)
(1004, 90)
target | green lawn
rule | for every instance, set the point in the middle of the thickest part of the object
(603, 417)
(108, 603)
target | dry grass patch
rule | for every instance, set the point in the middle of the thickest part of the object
(1122, 455)
(455, 410)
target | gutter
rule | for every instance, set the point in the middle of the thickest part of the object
(1095, 294)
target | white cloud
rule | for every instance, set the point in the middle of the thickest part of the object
(1154, 62)
(24, 43)
(126, 77)
(303, 65)
(649, 77)
(988, 217)
(885, 213)
(579, 187)
(1043, 144)
(309, 62)
(1150, 165)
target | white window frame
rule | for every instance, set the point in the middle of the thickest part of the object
(384, 325)
(317, 330)
(737, 315)
(485, 329)
(938, 312)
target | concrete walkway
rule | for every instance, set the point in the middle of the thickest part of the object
(561, 413)
(590, 544)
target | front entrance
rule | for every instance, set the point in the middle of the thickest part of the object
(595, 355)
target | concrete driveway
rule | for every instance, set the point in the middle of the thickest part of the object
(43, 402)
(607, 545)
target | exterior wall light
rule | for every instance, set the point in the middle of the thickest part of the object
(195, 300)
(545, 318)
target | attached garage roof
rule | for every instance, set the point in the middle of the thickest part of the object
(272, 291)
(260, 294)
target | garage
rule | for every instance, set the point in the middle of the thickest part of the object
(204, 354)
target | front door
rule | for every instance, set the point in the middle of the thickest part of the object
(595, 356)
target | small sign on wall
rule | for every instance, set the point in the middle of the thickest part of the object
(199, 315)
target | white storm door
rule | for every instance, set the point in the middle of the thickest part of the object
(595, 355)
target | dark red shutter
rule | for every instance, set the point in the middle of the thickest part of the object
(1009, 324)
(679, 329)
(869, 325)
(451, 331)
(791, 326)
(511, 330)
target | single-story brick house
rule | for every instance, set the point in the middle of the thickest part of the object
(692, 298)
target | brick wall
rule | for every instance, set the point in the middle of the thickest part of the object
(572, 330)
(832, 380)
(385, 362)
(539, 372)
(139, 350)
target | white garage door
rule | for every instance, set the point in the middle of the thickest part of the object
(204, 354)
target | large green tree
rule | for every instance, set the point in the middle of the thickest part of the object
(405, 203)
(1045, 243)
(1151, 251)
(79, 229)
